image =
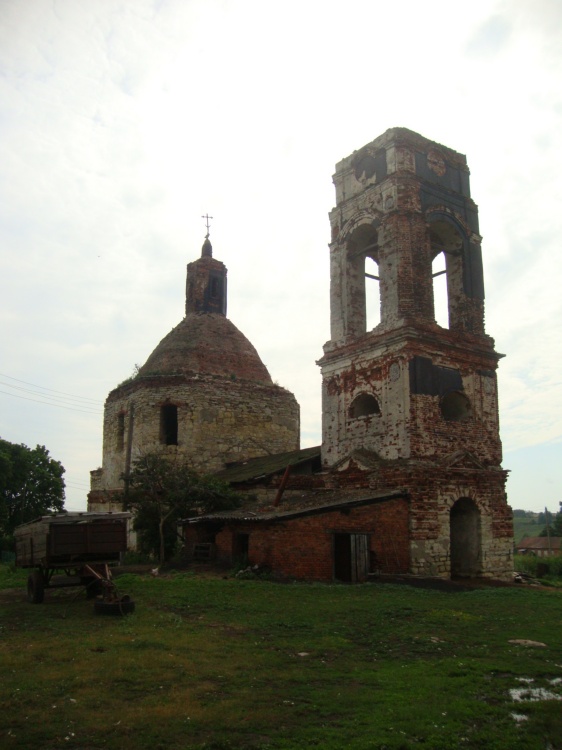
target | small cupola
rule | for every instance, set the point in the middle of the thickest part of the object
(205, 290)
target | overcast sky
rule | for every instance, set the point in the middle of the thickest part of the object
(123, 122)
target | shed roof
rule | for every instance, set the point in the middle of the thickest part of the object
(310, 503)
(264, 466)
(540, 543)
(66, 517)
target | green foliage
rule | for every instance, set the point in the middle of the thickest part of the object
(161, 491)
(552, 524)
(31, 484)
(131, 377)
(529, 564)
(12, 577)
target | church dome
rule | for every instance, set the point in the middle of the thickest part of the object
(206, 344)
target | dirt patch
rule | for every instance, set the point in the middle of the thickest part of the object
(12, 595)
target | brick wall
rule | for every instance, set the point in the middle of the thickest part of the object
(301, 548)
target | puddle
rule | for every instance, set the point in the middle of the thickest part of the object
(519, 718)
(530, 695)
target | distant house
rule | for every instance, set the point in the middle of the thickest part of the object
(540, 546)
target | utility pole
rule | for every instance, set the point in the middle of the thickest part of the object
(547, 530)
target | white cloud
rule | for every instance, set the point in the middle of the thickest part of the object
(122, 123)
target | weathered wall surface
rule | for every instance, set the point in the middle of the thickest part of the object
(410, 422)
(401, 202)
(219, 421)
(302, 548)
(433, 491)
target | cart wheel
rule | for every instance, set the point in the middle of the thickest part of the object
(35, 587)
(123, 607)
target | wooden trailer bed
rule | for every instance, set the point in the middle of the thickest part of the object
(80, 545)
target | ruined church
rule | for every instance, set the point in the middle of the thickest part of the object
(408, 479)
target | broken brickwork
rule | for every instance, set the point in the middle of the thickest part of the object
(420, 397)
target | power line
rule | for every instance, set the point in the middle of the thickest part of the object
(43, 388)
(45, 395)
(48, 403)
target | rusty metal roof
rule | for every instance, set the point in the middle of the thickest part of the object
(264, 466)
(309, 503)
(67, 517)
(540, 543)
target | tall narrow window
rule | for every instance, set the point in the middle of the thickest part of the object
(372, 293)
(120, 431)
(169, 424)
(440, 300)
(216, 287)
(362, 295)
(447, 270)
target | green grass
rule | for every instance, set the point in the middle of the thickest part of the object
(221, 664)
(523, 526)
(10, 577)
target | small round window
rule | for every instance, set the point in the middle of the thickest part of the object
(455, 407)
(363, 406)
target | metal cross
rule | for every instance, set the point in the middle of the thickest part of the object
(207, 217)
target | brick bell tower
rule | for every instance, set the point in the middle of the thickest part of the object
(415, 398)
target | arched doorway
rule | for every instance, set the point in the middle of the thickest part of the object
(466, 556)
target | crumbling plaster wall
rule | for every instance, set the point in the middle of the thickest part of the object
(433, 489)
(219, 421)
(386, 433)
(398, 187)
(409, 424)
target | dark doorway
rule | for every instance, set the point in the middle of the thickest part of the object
(241, 545)
(466, 557)
(351, 557)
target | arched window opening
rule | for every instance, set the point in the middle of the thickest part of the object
(466, 539)
(363, 293)
(169, 424)
(440, 300)
(446, 249)
(216, 287)
(372, 293)
(455, 407)
(363, 406)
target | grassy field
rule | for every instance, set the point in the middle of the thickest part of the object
(525, 527)
(226, 664)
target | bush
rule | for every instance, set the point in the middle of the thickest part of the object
(132, 557)
(534, 566)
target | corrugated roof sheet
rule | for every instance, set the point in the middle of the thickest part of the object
(310, 503)
(540, 542)
(263, 466)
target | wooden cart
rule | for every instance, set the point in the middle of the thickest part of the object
(81, 547)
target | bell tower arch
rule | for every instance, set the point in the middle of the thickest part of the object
(411, 399)
(403, 207)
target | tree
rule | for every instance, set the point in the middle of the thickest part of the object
(161, 491)
(31, 484)
(553, 523)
